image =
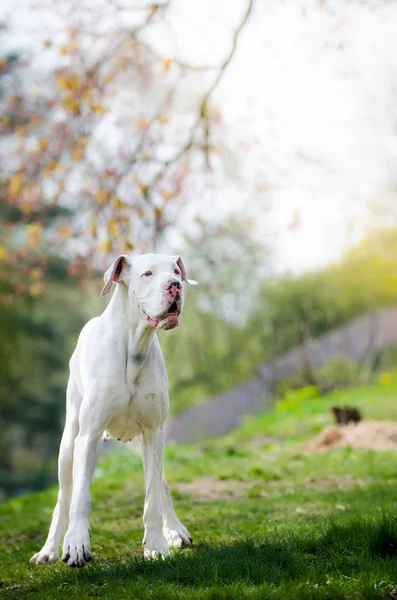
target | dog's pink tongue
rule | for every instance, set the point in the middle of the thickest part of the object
(169, 322)
(151, 322)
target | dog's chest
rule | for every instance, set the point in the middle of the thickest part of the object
(145, 410)
(144, 403)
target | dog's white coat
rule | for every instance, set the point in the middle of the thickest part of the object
(118, 384)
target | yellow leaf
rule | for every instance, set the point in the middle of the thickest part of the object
(98, 108)
(52, 164)
(43, 144)
(87, 97)
(117, 203)
(36, 289)
(65, 231)
(34, 241)
(63, 50)
(167, 62)
(74, 83)
(128, 246)
(163, 120)
(4, 255)
(47, 43)
(16, 184)
(106, 246)
(167, 195)
(27, 208)
(63, 83)
(36, 273)
(20, 131)
(101, 196)
(77, 154)
(113, 227)
(93, 230)
(70, 103)
(158, 212)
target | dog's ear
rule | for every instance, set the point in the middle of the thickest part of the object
(180, 264)
(119, 271)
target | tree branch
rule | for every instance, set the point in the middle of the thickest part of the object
(202, 116)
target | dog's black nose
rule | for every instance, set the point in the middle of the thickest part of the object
(174, 284)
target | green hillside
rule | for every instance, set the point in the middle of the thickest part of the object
(268, 519)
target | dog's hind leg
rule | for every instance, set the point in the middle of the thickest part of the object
(49, 553)
(153, 542)
(175, 533)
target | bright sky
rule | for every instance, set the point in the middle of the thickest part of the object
(312, 95)
(316, 84)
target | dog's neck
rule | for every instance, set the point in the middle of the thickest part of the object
(134, 328)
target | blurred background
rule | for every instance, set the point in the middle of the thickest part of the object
(256, 138)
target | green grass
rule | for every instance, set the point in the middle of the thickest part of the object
(268, 519)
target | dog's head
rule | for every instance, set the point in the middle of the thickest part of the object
(154, 283)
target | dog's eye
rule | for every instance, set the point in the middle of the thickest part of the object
(148, 273)
(177, 272)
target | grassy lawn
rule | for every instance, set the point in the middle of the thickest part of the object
(268, 519)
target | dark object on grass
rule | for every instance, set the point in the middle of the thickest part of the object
(346, 415)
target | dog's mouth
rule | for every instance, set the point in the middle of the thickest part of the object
(169, 319)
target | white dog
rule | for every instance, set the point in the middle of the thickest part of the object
(118, 384)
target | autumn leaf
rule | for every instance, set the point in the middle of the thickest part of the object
(128, 246)
(27, 208)
(62, 83)
(36, 289)
(34, 234)
(101, 196)
(117, 203)
(167, 195)
(65, 231)
(43, 144)
(36, 273)
(16, 184)
(167, 62)
(4, 255)
(106, 246)
(77, 153)
(98, 108)
(112, 227)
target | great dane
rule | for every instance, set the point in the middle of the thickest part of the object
(118, 385)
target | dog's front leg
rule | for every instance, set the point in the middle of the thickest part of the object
(76, 545)
(49, 553)
(152, 452)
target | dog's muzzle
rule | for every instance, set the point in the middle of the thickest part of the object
(169, 319)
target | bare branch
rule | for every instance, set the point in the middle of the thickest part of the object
(202, 116)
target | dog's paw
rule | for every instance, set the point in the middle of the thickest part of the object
(177, 536)
(76, 547)
(155, 546)
(46, 556)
